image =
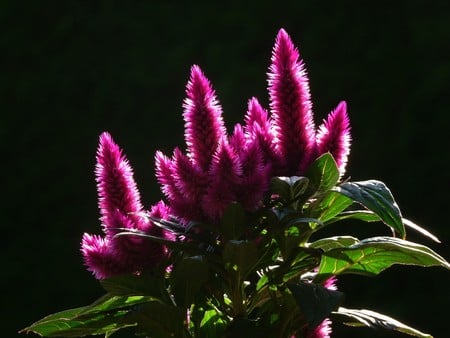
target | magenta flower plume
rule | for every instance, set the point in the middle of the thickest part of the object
(291, 106)
(117, 190)
(204, 127)
(334, 136)
(99, 258)
(225, 175)
(259, 129)
(255, 180)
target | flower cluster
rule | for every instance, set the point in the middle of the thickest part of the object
(219, 169)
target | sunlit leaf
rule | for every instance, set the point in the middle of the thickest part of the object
(105, 315)
(375, 196)
(375, 320)
(323, 173)
(329, 243)
(373, 255)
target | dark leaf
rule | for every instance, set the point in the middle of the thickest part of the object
(315, 301)
(375, 196)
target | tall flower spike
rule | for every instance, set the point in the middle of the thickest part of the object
(225, 175)
(117, 190)
(259, 128)
(334, 136)
(291, 106)
(204, 127)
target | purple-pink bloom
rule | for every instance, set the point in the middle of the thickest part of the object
(120, 210)
(224, 175)
(204, 127)
(291, 107)
(117, 190)
(99, 258)
(334, 136)
(258, 128)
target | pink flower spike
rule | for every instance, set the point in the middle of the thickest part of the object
(255, 113)
(99, 258)
(165, 176)
(237, 140)
(323, 330)
(116, 187)
(291, 106)
(204, 127)
(334, 136)
(190, 180)
(225, 175)
(259, 128)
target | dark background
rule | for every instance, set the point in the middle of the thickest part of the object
(71, 69)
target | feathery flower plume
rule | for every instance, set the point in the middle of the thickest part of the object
(258, 128)
(291, 106)
(225, 175)
(255, 178)
(204, 127)
(99, 258)
(334, 136)
(117, 190)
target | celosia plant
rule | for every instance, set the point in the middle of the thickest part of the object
(230, 252)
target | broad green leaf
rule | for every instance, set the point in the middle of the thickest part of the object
(329, 243)
(289, 188)
(375, 196)
(132, 285)
(240, 255)
(375, 320)
(362, 215)
(323, 173)
(187, 278)
(212, 325)
(104, 316)
(315, 301)
(327, 206)
(373, 255)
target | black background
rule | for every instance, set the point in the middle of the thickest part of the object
(71, 69)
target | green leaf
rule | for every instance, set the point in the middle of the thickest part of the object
(329, 243)
(375, 320)
(104, 316)
(212, 325)
(187, 278)
(315, 301)
(323, 173)
(327, 206)
(240, 255)
(373, 255)
(375, 196)
(132, 285)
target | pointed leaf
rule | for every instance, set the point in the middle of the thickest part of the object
(315, 301)
(353, 317)
(373, 255)
(104, 316)
(132, 285)
(329, 243)
(375, 196)
(327, 206)
(323, 173)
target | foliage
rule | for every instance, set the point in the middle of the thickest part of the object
(257, 273)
